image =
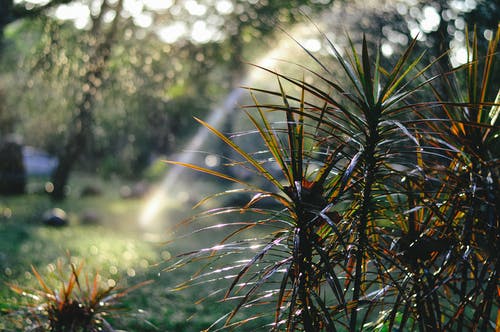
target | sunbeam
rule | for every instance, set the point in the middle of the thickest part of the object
(157, 199)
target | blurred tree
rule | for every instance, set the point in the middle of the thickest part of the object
(235, 31)
(10, 11)
(100, 43)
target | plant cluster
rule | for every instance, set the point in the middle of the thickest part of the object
(81, 303)
(380, 205)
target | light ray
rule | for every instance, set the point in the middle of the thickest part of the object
(157, 200)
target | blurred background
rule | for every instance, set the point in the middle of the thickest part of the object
(94, 94)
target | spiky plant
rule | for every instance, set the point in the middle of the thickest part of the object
(464, 205)
(367, 223)
(81, 303)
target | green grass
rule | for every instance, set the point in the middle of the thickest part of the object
(115, 246)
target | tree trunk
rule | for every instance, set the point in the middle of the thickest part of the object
(82, 126)
(74, 146)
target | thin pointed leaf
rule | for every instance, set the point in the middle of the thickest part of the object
(205, 170)
(42, 283)
(367, 79)
(271, 142)
(262, 171)
(247, 266)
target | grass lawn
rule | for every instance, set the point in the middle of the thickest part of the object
(104, 233)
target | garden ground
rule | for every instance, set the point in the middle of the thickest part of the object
(104, 233)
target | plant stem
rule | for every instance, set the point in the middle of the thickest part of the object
(369, 176)
(304, 267)
(466, 236)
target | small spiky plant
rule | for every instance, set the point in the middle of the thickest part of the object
(373, 226)
(77, 305)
